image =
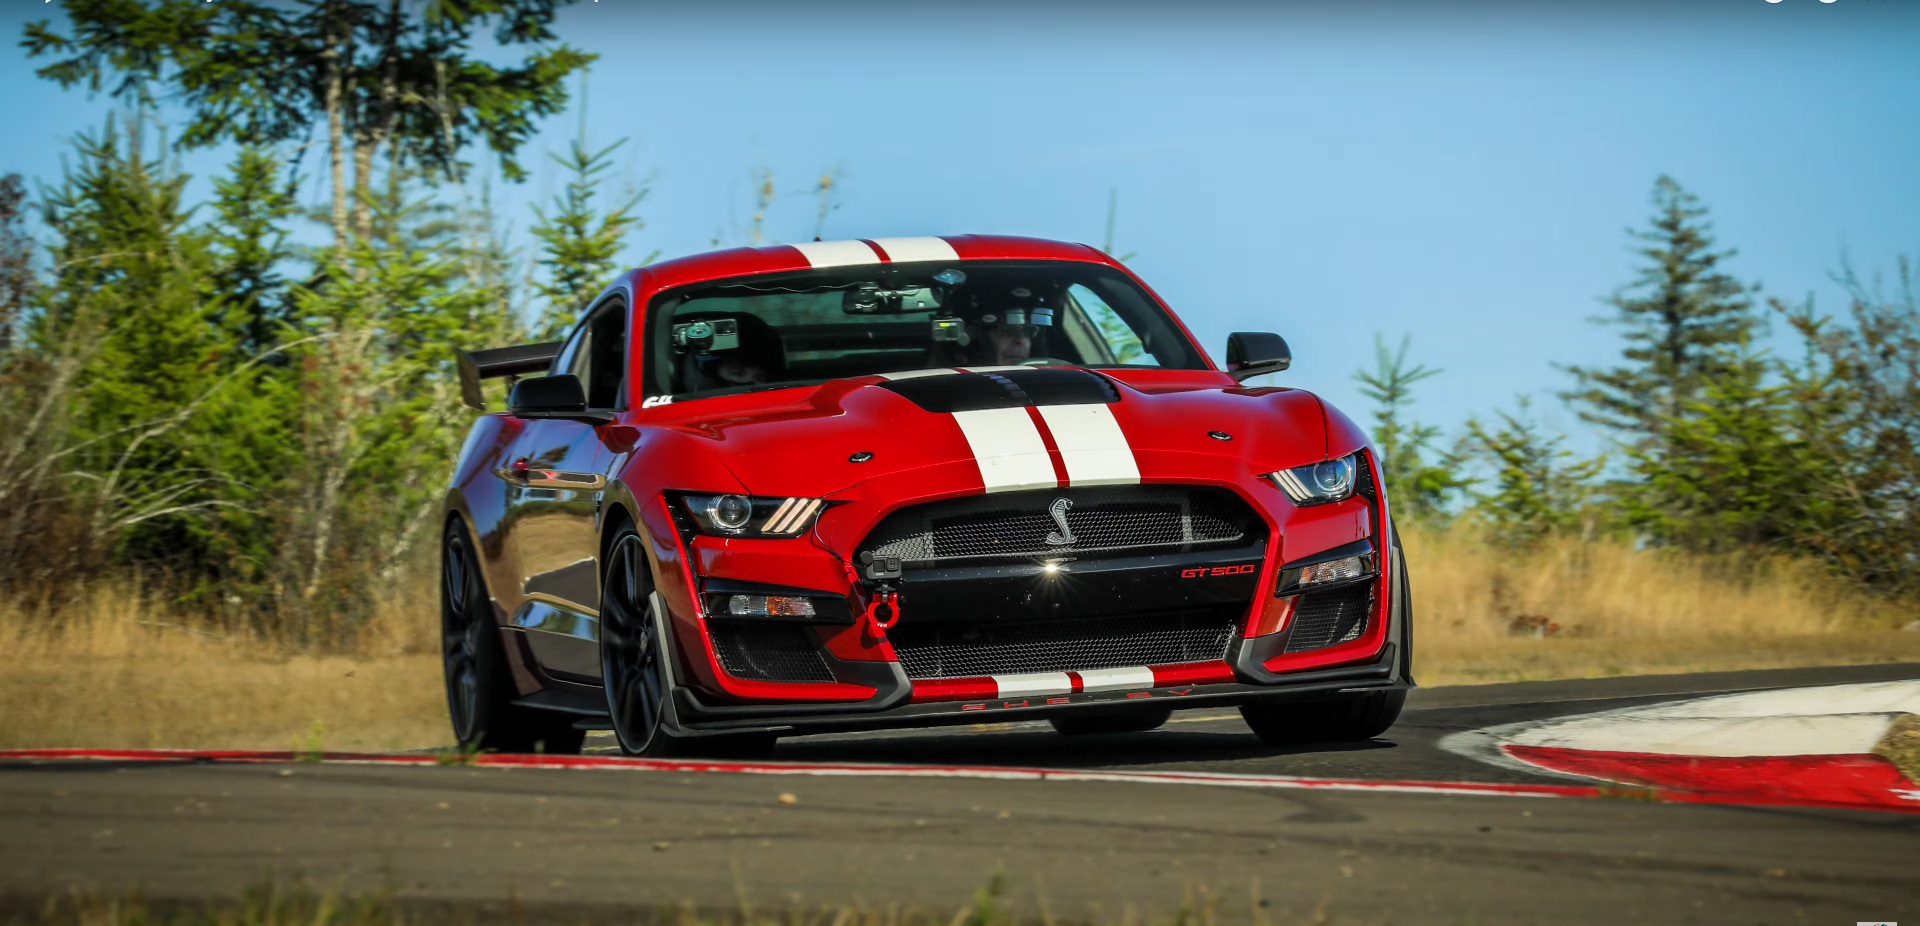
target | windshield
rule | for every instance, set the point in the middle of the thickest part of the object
(817, 325)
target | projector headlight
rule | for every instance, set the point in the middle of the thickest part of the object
(742, 516)
(1321, 483)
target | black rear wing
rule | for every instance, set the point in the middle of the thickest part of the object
(500, 361)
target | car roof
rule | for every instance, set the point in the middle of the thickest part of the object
(786, 258)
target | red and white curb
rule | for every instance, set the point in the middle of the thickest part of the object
(1793, 746)
(622, 763)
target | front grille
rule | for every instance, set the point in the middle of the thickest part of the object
(970, 651)
(1324, 619)
(769, 652)
(1017, 525)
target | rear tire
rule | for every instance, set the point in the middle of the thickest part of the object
(1352, 718)
(1101, 722)
(480, 689)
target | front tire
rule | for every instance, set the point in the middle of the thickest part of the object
(479, 687)
(633, 666)
(1352, 718)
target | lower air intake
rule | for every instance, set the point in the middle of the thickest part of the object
(769, 652)
(1324, 619)
(974, 650)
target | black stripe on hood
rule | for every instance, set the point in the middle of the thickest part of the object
(969, 392)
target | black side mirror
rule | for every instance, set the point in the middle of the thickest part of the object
(552, 397)
(1251, 353)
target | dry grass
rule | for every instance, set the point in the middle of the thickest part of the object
(1616, 610)
(120, 671)
(116, 671)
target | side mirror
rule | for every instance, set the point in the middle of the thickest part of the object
(1251, 353)
(552, 397)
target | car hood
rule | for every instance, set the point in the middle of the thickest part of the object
(1012, 428)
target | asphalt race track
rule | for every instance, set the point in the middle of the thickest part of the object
(589, 845)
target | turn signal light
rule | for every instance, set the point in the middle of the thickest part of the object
(1336, 570)
(769, 606)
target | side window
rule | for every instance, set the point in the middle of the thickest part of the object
(1122, 342)
(602, 365)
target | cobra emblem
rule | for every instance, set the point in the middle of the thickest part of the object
(1064, 535)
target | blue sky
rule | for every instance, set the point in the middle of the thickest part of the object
(1459, 172)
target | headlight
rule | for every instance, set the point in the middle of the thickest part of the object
(1331, 481)
(741, 516)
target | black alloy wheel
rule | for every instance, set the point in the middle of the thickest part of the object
(479, 688)
(636, 667)
(632, 655)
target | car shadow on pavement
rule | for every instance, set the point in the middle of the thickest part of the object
(1043, 748)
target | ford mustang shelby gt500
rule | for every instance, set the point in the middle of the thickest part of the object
(849, 485)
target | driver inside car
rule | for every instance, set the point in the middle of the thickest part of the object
(758, 359)
(1010, 335)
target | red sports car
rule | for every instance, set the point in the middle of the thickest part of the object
(848, 485)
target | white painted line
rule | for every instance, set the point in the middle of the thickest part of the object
(1033, 683)
(1008, 449)
(904, 250)
(1092, 446)
(822, 254)
(1112, 679)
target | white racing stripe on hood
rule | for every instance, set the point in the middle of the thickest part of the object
(915, 374)
(902, 250)
(1008, 449)
(837, 253)
(1091, 444)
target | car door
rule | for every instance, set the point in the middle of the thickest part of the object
(557, 482)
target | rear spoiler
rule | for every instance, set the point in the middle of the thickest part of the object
(500, 361)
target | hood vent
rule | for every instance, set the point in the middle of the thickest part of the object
(967, 392)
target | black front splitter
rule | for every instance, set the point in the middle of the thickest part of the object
(698, 717)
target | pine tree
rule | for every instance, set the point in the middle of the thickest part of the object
(1681, 315)
(1539, 488)
(1419, 488)
(1732, 473)
(581, 241)
(250, 248)
(131, 291)
(378, 78)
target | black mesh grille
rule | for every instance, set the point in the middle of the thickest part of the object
(769, 652)
(1324, 619)
(968, 651)
(1130, 520)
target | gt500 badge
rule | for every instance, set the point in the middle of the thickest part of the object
(1215, 572)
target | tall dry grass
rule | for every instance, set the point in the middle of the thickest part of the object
(1618, 610)
(115, 668)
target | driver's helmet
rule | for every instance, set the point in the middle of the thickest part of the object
(1008, 319)
(759, 351)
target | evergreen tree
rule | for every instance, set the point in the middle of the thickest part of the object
(131, 284)
(250, 248)
(1732, 473)
(1857, 401)
(1539, 489)
(1419, 488)
(1681, 315)
(377, 78)
(580, 241)
(17, 282)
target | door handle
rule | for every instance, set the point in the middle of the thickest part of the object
(516, 472)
